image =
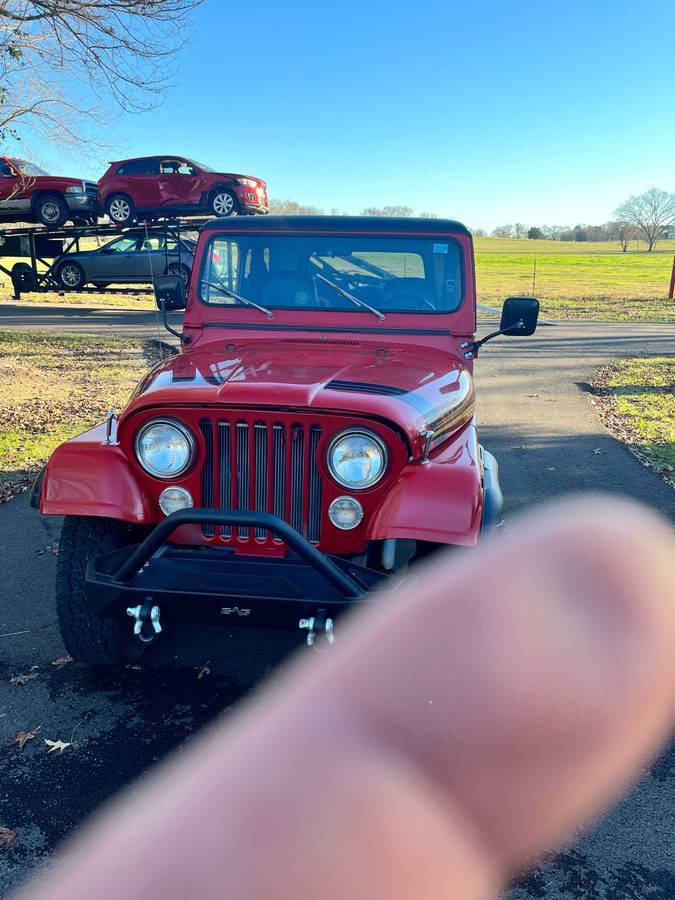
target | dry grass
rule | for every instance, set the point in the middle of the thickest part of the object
(53, 387)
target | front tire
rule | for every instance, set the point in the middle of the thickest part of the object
(88, 638)
(223, 203)
(51, 210)
(71, 276)
(120, 209)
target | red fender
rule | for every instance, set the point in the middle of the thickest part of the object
(87, 477)
(441, 501)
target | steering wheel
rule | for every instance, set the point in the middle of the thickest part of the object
(414, 300)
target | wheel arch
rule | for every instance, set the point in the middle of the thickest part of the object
(85, 476)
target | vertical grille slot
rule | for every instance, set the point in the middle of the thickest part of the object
(314, 478)
(297, 481)
(263, 466)
(243, 473)
(279, 457)
(225, 458)
(208, 498)
(260, 432)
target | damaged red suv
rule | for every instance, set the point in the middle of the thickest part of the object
(176, 186)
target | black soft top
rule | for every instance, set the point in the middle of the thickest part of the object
(377, 224)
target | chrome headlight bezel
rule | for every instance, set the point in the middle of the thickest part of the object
(369, 435)
(185, 433)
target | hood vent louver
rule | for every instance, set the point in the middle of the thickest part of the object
(323, 341)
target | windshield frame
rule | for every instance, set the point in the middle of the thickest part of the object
(352, 308)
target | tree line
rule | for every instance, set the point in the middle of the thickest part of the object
(648, 217)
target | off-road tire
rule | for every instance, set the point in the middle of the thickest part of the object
(88, 638)
(51, 210)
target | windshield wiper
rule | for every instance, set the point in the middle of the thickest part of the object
(351, 297)
(244, 300)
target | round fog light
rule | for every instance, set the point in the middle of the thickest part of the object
(174, 498)
(345, 513)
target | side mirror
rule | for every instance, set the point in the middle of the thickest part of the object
(170, 292)
(519, 316)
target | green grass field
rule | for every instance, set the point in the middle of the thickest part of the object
(578, 280)
(573, 280)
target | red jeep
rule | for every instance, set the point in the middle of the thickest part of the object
(28, 193)
(314, 435)
(176, 186)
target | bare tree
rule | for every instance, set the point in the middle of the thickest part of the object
(428, 215)
(623, 232)
(503, 231)
(651, 212)
(396, 211)
(64, 61)
(292, 208)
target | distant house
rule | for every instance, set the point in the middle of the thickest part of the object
(669, 234)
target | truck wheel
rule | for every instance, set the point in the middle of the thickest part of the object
(223, 203)
(120, 209)
(87, 638)
(51, 210)
(70, 276)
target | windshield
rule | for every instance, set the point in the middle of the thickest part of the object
(28, 168)
(330, 272)
(202, 166)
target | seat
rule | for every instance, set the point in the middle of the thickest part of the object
(288, 289)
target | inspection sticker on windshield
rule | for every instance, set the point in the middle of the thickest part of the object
(440, 248)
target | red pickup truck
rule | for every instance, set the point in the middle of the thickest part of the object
(28, 193)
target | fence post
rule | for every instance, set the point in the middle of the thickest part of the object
(671, 290)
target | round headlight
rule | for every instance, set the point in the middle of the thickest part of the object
(174, 498)
(345, 513)
(164, 448)
(357, 459)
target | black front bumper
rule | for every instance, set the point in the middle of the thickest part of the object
(218, 586)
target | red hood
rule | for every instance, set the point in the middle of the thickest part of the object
(419, 389)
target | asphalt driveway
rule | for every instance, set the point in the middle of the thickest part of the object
(534, 414)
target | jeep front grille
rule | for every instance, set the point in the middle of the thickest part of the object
(262, 466)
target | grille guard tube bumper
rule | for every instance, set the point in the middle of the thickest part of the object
(205, 584)
(286, 532)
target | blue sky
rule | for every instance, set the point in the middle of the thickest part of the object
(508, 110)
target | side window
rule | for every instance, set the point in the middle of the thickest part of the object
(222, 268)
(6, 169)
(184, 168)
(139, 167)
(122, 245)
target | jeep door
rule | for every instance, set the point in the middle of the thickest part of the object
(180, 183)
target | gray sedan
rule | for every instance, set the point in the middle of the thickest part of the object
(134, 258)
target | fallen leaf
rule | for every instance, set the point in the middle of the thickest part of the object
(22, 737)
(59, 746)
(7, 837)
(62, 661)
(203, 670)
(597, 451)
(22, 679)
